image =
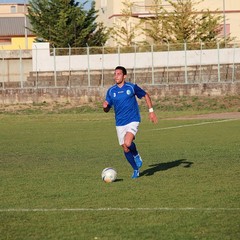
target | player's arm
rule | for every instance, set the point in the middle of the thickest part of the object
(106, 106)
(152, 115)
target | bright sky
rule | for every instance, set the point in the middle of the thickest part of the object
(87, 5)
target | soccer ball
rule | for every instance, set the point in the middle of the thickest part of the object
(109, 175)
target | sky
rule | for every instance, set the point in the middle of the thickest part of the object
(87, 5)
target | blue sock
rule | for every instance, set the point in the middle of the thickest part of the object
(130, 158)
(133, 149)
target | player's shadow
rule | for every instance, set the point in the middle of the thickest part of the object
(165, 166)
(118, 180)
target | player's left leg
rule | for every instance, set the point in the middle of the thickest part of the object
(128, 141)
(136, 155)
(126, 135)
(130, 158)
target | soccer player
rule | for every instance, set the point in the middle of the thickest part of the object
(122, 97)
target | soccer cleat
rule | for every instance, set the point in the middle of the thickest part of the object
(135, 174)
(138, 160)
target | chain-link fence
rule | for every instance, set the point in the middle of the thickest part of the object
(187, 63)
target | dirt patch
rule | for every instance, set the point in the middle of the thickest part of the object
(227, 115)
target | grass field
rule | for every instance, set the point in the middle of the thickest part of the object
(51, 185)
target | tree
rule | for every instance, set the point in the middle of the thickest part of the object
(182, 22)
(65, 23)
(125, 32)
(154, 27)
(210, 29)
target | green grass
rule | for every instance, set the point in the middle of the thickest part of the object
(53, 163)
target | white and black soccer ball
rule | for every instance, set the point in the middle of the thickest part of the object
(109, 175)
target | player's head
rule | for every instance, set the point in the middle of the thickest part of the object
(120, 75)
(124, 71)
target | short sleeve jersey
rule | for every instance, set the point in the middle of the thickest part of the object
(125, 103)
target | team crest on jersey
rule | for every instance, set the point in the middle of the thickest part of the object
(128, 92)
(114, 94)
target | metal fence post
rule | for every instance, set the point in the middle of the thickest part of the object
(69, 66)
(219, 73)
(88, 61)
(3, 85)
(153, 80)
(134, 67)
(168, 53)
(119, 60)
(21, 67)
(233, 67)
(201, 46)
(36, 67)
(185, 68)
(54, 64)
(102, 66)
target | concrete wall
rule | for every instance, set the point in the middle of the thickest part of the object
(83, 86)
(90, 94)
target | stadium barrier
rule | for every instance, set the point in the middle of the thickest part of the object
(74, 72)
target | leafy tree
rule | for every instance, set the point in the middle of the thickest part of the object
(209, 29)
(154, 27)
(65, 23)
(125, 32)
(182, 22)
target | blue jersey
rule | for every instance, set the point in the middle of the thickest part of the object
(125, 103)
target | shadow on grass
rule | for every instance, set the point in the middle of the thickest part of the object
(165, 166)
(118, 180)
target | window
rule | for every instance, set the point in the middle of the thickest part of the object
(5, 41)
(13, 9)
(227, 30)
(103, 4)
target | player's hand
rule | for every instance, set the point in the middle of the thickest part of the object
(153, 117)
(105, 104)
(106, 107)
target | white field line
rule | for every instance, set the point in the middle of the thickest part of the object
(114, 209)
(194, 124)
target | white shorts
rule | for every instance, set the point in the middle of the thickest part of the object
(122, 130)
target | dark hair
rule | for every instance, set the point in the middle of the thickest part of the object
(123, 69)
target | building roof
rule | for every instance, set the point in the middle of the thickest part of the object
(14, 26)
